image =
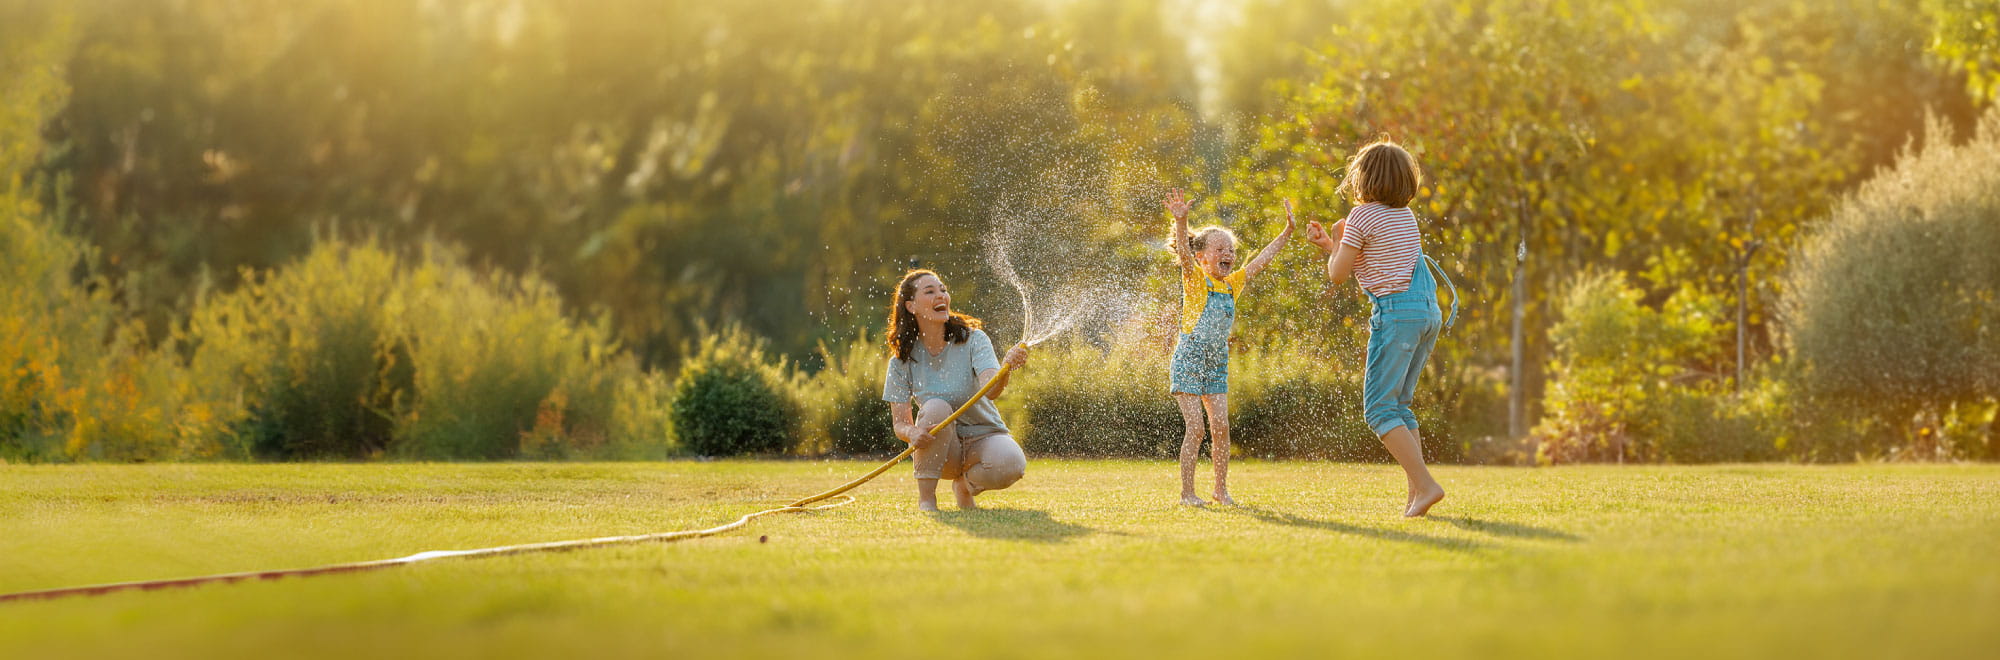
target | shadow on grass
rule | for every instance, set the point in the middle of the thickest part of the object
(1515, 530)
(1282, 518)
(1017, 524)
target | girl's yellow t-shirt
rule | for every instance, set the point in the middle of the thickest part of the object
(1195, 286)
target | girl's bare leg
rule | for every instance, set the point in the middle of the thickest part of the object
(1409, 452)
(1218, 451)
(1190, 406)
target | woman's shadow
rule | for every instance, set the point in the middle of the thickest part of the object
(1017, 524)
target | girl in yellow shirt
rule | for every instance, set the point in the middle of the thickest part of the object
(1200, 371)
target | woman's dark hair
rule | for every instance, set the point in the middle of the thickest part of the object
(903, 331)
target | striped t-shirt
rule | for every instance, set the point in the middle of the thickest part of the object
(1387, 238)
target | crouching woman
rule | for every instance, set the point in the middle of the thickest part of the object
(938, 359)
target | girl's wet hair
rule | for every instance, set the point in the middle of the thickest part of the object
(1198, 239)
(1382, 172)
(903, 330)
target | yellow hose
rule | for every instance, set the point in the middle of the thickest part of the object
(851, 485)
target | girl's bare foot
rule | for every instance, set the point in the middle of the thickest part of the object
(1222, 498)
(1188, 499)
(963, 492)
(1422, 503)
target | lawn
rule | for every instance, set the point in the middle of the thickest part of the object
(1081, 559)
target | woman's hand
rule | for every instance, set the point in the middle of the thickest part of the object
(1017, 357)
(914, 435)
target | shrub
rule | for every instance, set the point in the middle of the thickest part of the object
(351, 353)
(77, 380)
(496, 368)
(1623, 384)
(308, 348)
(846, 403)
(730, 400)
(1077, 399)
(1893, 301)
(1304, 401)
(642, 421)
(1288, 404)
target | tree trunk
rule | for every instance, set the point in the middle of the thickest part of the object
(1517, 404)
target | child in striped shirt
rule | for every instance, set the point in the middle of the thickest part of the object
(1379, 246)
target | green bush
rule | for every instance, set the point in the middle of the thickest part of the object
(310, 349)
(353, 353)
(731, 400)
(1624, 384)
(1286, 404)
(642, 425)
(1893, 301)
(846, 404)
(1076, 399)
(496, 369)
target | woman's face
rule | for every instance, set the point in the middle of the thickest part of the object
(931, 302)
(1219, 255)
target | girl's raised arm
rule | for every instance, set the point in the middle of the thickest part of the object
(1177, 204)
(1270, 252)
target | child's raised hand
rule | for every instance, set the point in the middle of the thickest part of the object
(1288, 214)
(1316, 235)
(1177, 204)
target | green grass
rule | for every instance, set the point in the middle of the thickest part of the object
(1079, 560)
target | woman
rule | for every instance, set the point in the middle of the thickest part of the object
(938, 359)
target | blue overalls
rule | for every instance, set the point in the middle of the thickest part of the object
(1201, 357)
(1401, 332)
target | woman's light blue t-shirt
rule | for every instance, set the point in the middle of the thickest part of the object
(952, 376)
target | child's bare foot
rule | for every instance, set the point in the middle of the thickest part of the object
(1422, 503)
(1188, 499)
(1222, 498)
(963, 492)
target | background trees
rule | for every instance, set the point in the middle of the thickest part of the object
(663, 166)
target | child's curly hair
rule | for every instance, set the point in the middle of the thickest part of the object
(1382, 172)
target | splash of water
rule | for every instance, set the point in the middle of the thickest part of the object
(1061, 278)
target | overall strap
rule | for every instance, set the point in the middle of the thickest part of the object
(1210, 282)
(1435, 268)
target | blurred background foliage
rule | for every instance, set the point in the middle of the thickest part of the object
(347, 229)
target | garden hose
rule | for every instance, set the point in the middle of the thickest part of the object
(353, 567)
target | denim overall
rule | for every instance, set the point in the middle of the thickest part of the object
(1201, 357)
(1401, 332)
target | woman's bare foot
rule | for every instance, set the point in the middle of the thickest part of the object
(963, 491)
(927, 506)
(1424, 500)
(1222, 498)
(1188, 499)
